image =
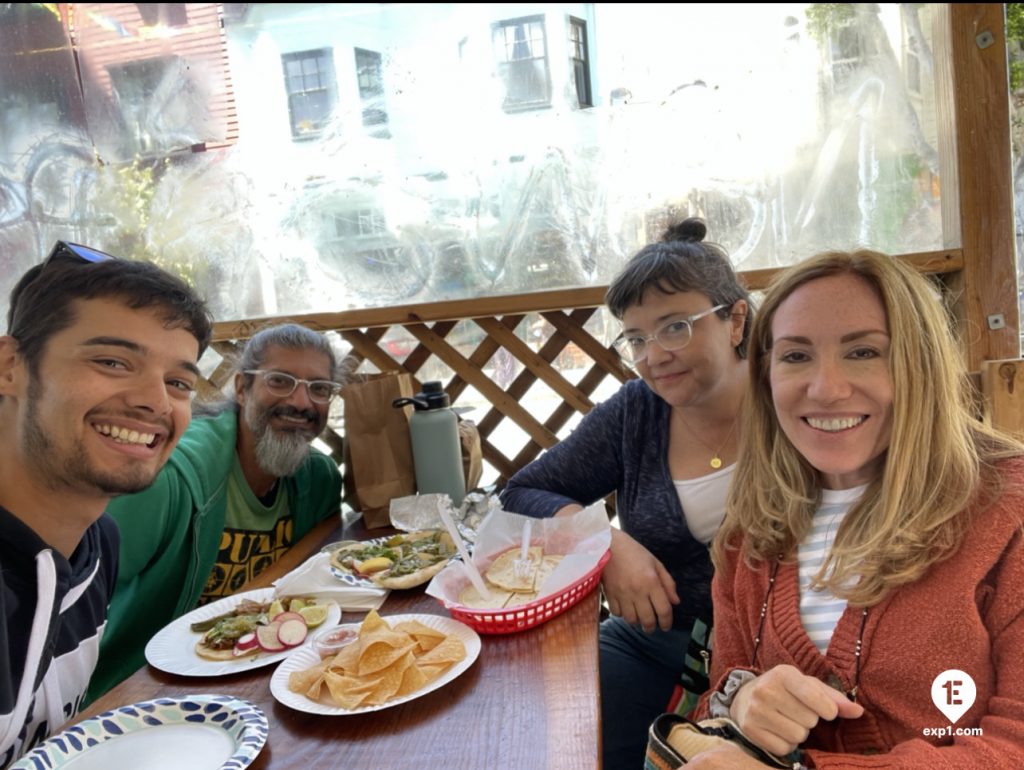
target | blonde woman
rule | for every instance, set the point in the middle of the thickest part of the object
(874, 538)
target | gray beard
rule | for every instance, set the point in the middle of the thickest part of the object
(279, 453)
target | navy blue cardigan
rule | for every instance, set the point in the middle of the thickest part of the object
(621, 446)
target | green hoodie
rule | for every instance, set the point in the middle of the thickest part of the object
(170, 534)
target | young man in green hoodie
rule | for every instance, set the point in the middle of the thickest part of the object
(241, 488)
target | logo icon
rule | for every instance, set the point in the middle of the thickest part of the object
(953, 693)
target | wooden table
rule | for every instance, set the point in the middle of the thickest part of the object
(531, 700)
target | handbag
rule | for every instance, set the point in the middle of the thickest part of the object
(673, 740)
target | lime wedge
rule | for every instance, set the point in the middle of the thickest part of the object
(314, 614)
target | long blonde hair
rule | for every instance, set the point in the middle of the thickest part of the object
(939, 460)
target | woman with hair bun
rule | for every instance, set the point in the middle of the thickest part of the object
(665, 444)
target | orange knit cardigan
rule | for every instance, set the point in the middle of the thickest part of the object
(965, 613)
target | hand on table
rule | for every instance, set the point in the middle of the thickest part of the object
(778, 709)
(637, 585)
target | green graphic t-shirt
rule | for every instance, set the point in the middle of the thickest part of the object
(255, 536)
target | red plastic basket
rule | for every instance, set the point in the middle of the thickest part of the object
(524, 616)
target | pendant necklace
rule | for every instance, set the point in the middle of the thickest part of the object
(716, 459)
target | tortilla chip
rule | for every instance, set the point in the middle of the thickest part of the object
(426, 637)
(303, 681)
(347, 658)
(388, 684)
(372, 622)
(451, 650)
(379, 655)
(413, 678)
(433, 670)
(347, 692)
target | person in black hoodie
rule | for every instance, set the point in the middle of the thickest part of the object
(97, 372)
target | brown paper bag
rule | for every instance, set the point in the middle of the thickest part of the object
(472, 453)
(378, 449)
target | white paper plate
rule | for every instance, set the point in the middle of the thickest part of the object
(172, 648)
(307, 657)
(217, 732)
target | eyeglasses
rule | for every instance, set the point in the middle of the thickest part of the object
(283, 385)
(674, 335)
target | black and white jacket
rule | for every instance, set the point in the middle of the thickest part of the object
(53, 612)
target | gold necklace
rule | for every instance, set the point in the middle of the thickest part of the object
(716, 459)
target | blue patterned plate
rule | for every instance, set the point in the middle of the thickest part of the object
(218, 732)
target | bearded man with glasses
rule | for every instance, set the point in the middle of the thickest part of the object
(97, 371)
(244, 485)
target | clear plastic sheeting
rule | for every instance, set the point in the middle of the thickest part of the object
(291, 158)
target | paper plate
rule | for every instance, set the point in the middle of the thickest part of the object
(307, 657)
(217, 732)
(172, 648)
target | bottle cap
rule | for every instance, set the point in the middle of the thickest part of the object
(431, 397)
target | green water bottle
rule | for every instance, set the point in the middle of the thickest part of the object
(436, 449)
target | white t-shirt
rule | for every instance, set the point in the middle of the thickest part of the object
(703, 501)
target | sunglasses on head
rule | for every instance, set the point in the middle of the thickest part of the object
(76, 253)
(62, 251)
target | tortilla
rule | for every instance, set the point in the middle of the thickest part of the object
(544, 569)
(413, 579)
(415, 557)
(203, 651)
(502, 570)
(471, 598)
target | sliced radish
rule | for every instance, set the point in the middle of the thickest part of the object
(239, 652)
(247, 641)
(292, 632)
(281, 617)
(267, 637)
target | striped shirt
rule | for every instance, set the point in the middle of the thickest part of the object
(820, 610)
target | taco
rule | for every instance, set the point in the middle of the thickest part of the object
(402, 561)
(218, 643)
(252, 627)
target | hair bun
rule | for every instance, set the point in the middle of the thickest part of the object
(691, 229)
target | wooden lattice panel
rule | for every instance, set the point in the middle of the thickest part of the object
(437, 334)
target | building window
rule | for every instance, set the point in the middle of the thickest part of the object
(912, 66)
(579, 61)
(168, 14)
(370, 75)
(309, 81)
(141, 90)
(360, 223)
(521, 50)
(846, 52)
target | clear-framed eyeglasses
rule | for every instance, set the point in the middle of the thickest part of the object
(282, 385)
(675, 335)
